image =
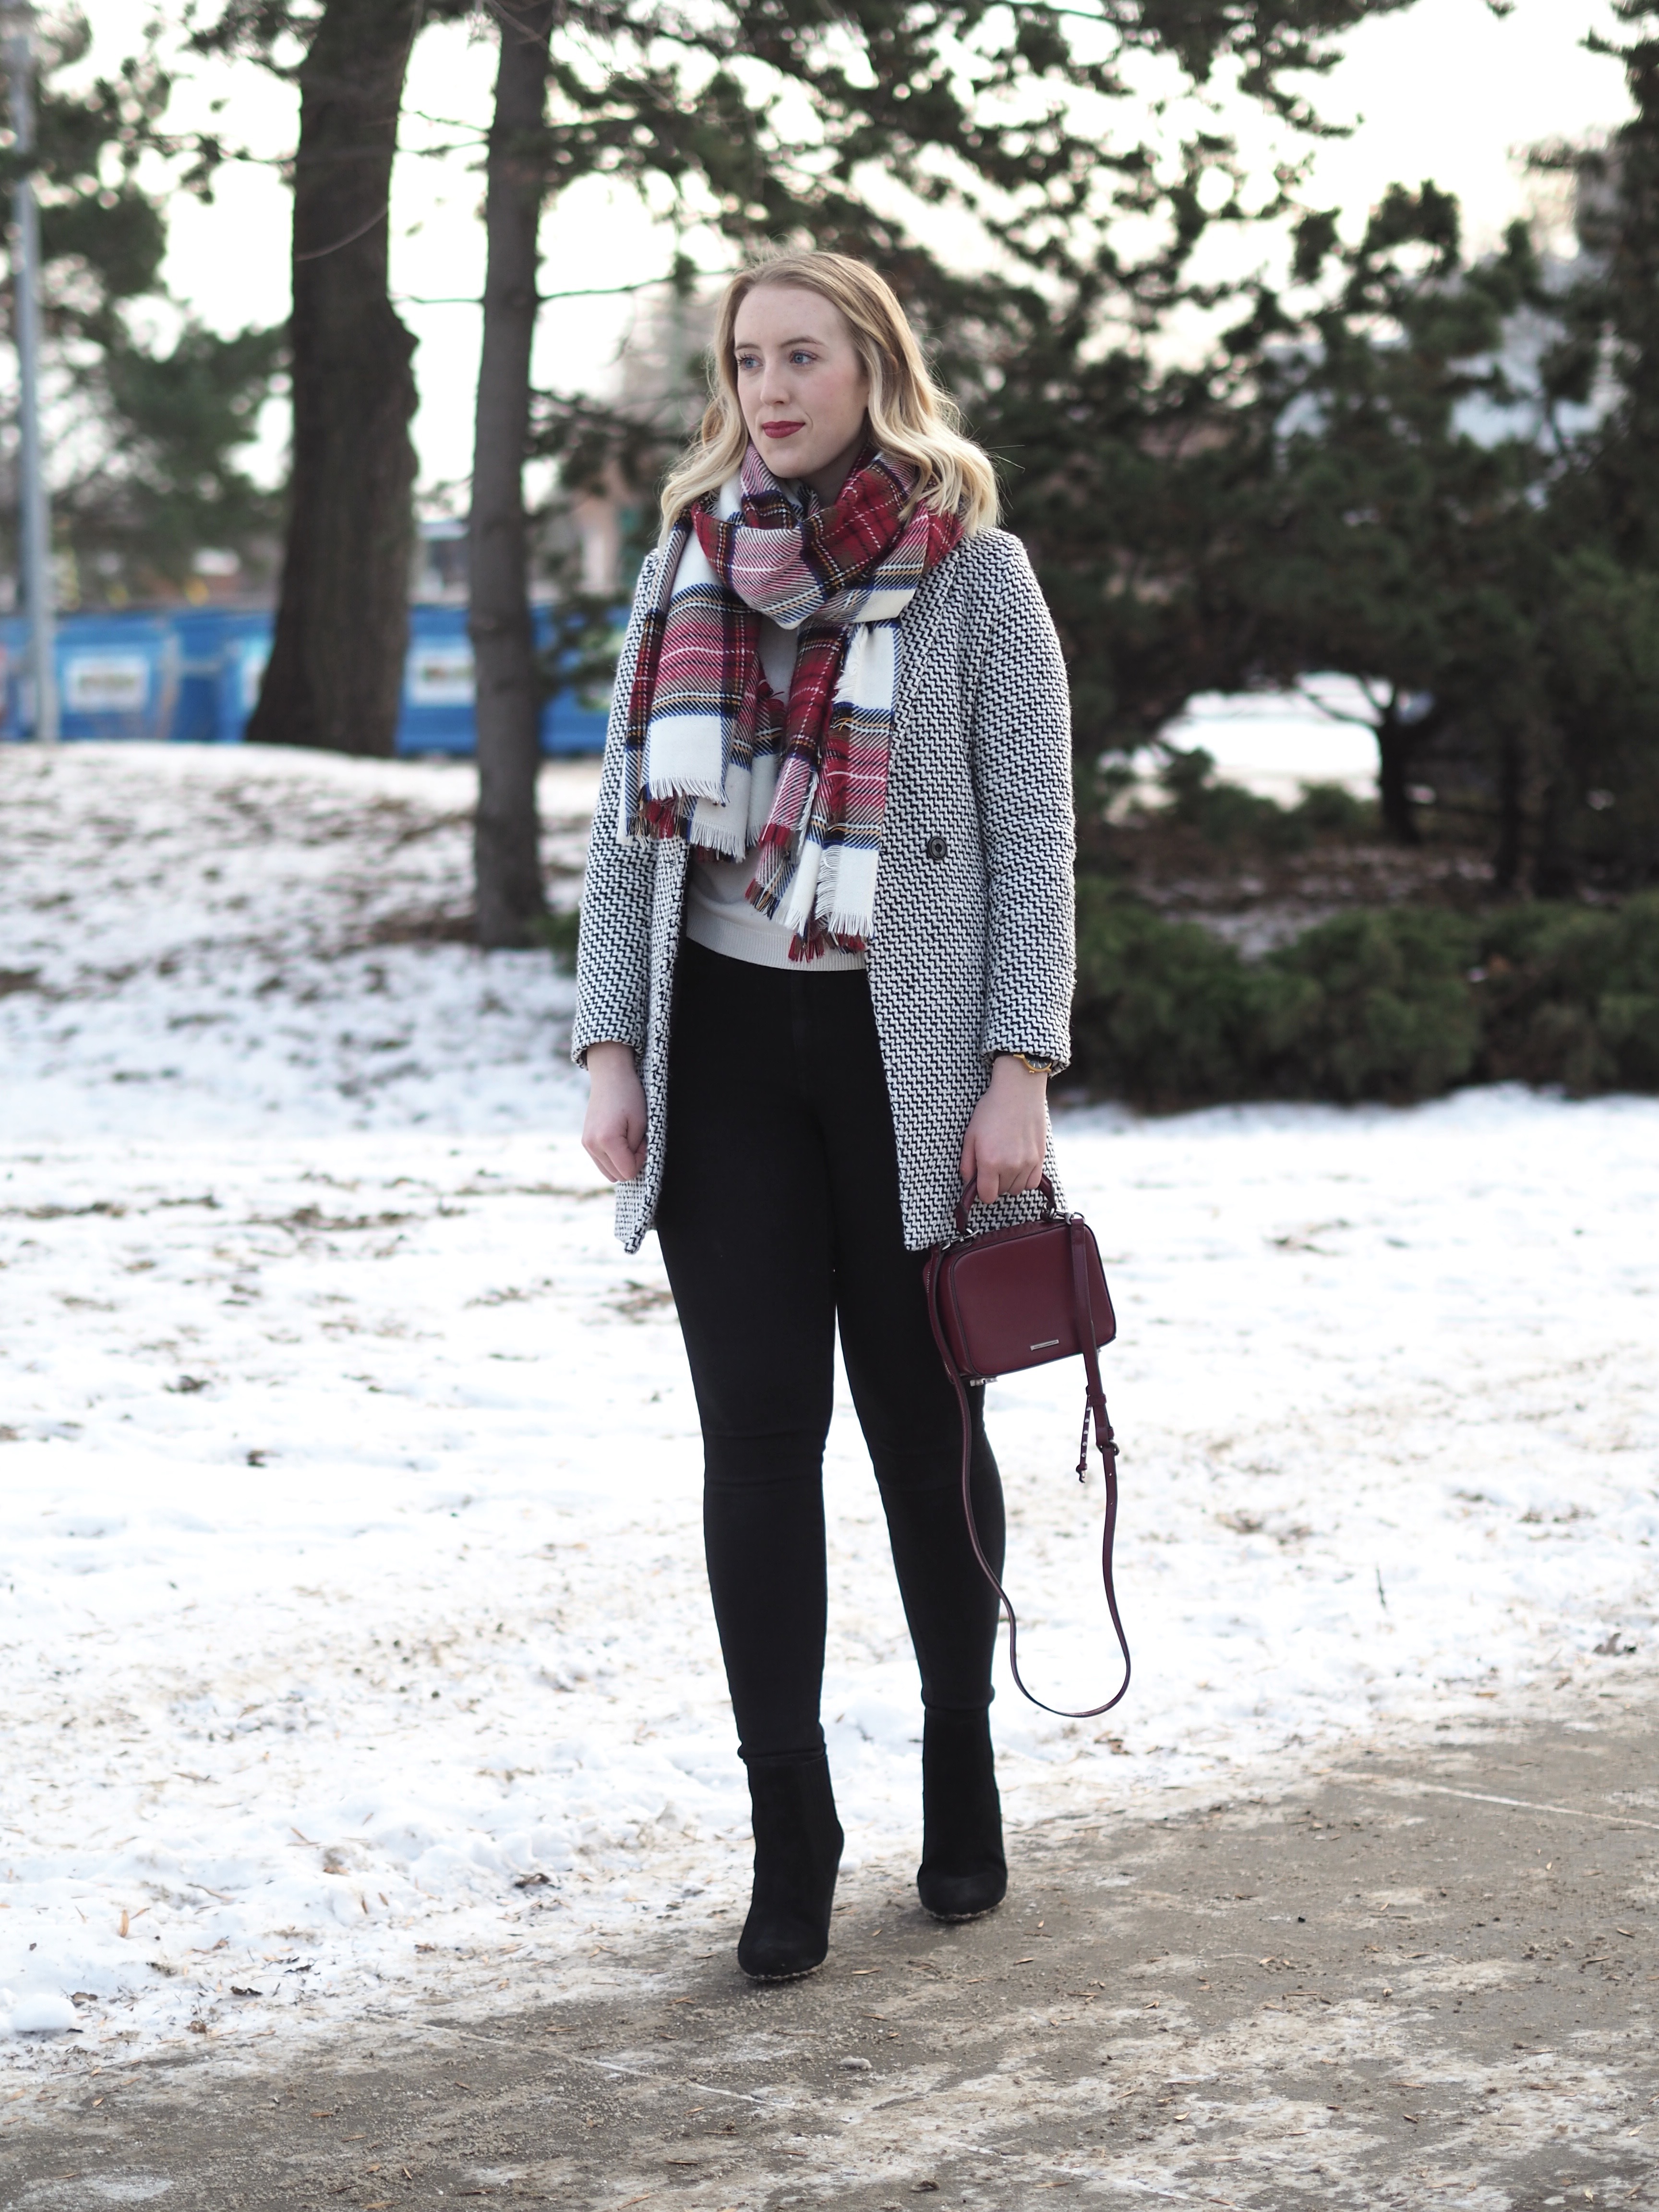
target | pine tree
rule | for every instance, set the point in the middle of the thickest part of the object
(1597, 771)
(1437, 476)
(1396, 530)
(765, 118)
(145, 438)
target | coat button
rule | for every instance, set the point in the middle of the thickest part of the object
(937, 848)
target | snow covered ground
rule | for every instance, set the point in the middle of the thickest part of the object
(353, 1640)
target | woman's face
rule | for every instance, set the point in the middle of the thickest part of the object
(801, 385)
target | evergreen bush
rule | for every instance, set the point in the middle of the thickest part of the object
(1330, 810)
(1162, 1014)
(1398, 1004)
(1229, 816)
(1225, 814)
(1385, 1010)
(1571, 995)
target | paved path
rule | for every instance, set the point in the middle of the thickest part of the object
(1424, 1982)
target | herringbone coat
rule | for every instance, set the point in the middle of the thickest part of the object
(971, 951)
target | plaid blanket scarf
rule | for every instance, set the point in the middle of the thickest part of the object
(713, 754)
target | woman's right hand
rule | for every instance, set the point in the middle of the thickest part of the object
(613, 1130)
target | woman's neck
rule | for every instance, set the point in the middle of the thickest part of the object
(828, 480)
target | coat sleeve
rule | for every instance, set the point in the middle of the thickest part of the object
(1020, 751)
(613, 954)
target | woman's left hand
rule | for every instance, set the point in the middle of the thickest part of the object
(1003, 1149)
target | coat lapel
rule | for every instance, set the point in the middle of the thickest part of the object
(916, 626)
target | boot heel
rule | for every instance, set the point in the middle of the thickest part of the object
(798, 1842)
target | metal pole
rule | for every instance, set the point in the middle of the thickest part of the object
(34, 515)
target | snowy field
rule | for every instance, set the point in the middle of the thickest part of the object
(354, 1645)
(1276, 742)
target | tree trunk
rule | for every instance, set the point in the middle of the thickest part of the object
(506, 843)
(335, 676)
(1554, 869)
(1511, 812)
(1395, 743)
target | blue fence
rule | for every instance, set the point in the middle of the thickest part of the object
(191, 676)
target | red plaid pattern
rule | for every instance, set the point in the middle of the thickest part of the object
(818, 570)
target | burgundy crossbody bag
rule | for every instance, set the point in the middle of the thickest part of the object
(1020, 1297)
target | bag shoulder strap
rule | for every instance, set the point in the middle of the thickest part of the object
(1095, 1408)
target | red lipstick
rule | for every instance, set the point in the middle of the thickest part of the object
(780, 429)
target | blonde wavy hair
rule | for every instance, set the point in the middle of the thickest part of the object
(909, 416)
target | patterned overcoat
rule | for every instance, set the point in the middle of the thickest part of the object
(971, 950)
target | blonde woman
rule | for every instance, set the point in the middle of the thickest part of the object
(825, 977)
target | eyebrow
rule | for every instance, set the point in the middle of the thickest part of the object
(739, 344)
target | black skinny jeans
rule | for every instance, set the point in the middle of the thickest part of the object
(779, 1218)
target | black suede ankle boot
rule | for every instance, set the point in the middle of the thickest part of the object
(962, 1871)
(798, 1842)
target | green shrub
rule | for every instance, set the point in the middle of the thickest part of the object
(1330, 810)
(1386, 1011)
(1228, 816)
(1571, 995)
(1225, 814)
(1400, 1004)
(1162, 1014)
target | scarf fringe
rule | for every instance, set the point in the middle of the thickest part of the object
(805, 949)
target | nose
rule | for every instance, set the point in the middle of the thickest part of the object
(774, 383)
